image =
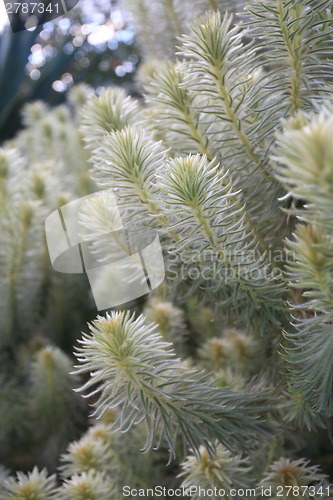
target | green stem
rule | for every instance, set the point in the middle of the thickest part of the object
(14, 271)
(324, 286)
(142, 14)
(241, 136)
(174, 17)
(213, 4)
(247, 146)
(216, 247)
(196, 134)
(270, 456)
(129, 472)
(293, 60)
(203, 149)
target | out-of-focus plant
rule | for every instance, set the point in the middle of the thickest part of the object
(91, 43)
(229, 158)
(44, 166)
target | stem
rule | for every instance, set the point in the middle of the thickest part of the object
(233, 118)
(293, 60)
(247, 146)
(213, 4)
(154, 209)
(203, 149)
(270, 456)
(15, 269)
(174, 17)
(324, 286)
(142, 14)
(196, 134)
(130, 472)
(216, 247)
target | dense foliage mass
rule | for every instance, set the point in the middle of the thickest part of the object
(223, 375)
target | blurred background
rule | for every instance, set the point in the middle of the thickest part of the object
(92, 43)
(43, 165)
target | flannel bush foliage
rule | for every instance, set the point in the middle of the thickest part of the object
(223, 375)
